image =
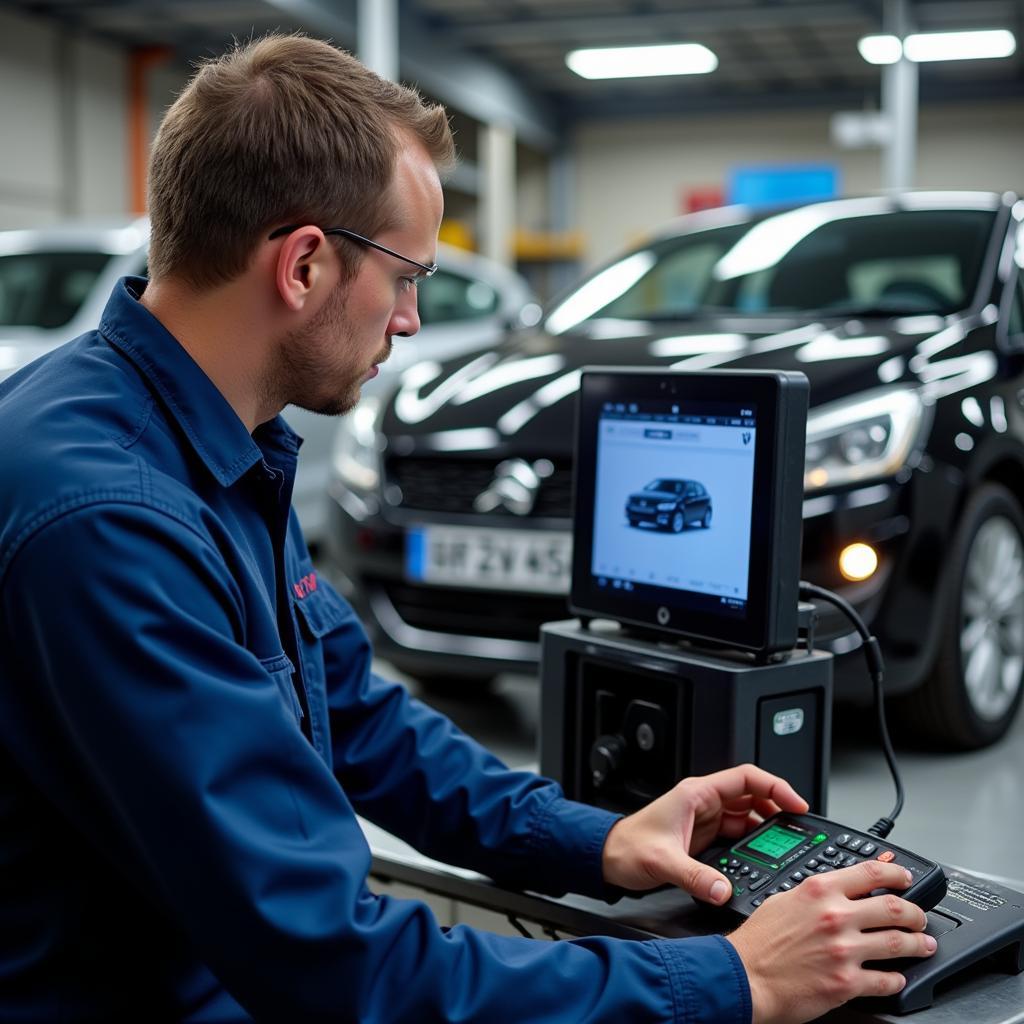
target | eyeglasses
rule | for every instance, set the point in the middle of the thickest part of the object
(426, 270)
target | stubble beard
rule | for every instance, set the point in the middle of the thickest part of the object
(314, 356)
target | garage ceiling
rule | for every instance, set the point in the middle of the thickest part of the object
(772, 53)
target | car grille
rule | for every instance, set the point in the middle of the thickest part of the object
(505, 616)
(452, 485)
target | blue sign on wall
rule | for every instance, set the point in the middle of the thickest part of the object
(782, 183)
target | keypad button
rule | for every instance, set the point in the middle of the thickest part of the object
(848, 860)
(855, 844)
(786, 886)
(886, 856)
(798, 876)
(843, 839)
(745, 870)
(822, 868)
(812, 864)
(754, 876)
(760, 883)
(830, 851)
(757, 902)
(734, 863)
(868, 849)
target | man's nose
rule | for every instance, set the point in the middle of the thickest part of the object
(405, 320)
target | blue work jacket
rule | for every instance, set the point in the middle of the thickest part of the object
(189, 725)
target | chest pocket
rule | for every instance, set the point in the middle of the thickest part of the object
(318, 613)
(280, 669)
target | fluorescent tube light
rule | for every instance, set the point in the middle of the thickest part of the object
(934, 46)
(880, 49)
(642, 61)
(928, 46)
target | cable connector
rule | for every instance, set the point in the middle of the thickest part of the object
(873, 654)
(882, 827)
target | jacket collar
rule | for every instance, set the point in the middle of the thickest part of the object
(212, 427)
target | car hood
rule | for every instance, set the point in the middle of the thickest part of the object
(519, 395)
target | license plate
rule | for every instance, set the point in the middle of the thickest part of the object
(535, 560)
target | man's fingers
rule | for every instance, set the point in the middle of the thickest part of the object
(881, 983)
(704, 882)
(733, 783)
(893, 943)
(861, 879)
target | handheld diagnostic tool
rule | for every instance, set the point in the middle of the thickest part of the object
(789, 848)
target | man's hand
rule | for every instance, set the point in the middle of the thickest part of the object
(804, 950)
(654, 845)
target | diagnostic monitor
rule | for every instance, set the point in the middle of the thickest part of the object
(688, 501)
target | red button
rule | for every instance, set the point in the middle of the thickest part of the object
(885, 856)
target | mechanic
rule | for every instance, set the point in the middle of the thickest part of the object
(190, 723)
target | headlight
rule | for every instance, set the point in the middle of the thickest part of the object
(863, 438)
(356, 454)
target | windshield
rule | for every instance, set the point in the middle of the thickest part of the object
(46, 289)
(663, 485)
(809, 260)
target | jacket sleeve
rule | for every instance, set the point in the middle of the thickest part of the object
(410, 770)
(176, 759)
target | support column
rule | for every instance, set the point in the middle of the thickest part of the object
(377, 36)
(497, 216)
(899, 104)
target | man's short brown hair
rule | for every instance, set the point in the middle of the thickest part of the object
(281, 130)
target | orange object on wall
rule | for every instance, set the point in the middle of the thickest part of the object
(140, 62)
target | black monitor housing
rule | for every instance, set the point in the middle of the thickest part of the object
(688, 504)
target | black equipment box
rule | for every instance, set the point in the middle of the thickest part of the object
(625, 717)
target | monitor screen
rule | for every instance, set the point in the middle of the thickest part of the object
(673, 501)
(688, 493)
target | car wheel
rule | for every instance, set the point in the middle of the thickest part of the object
(706, 521)
(633, 522)
(678, 522)
(975, 689)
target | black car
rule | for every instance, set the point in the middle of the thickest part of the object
(670, 505)
(452, 500)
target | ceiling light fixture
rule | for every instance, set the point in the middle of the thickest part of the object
(642, 61)
(880, 49)
(921, 47)
(929, 46)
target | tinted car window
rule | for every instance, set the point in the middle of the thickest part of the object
(895, 263)
(448, 296)
(46, 289)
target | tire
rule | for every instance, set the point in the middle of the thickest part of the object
(633, 522)
(706, 521)
(974, 691)
(678, 523)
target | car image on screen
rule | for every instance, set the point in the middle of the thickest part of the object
(670, 505)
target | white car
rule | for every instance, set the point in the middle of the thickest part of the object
(55, 281)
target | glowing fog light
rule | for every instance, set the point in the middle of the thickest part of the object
(858, 561)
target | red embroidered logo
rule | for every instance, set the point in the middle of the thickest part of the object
(305, 586)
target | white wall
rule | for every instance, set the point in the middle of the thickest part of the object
(62, 125)
(631, 175)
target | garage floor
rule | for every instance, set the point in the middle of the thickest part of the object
(965, 810)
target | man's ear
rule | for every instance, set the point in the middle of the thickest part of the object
(301, 267)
